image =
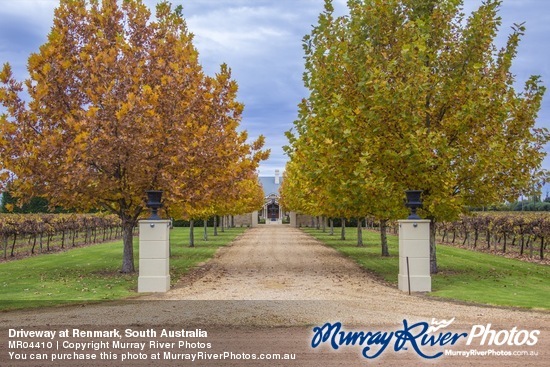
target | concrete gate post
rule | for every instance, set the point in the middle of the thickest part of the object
(254, 219)
(154, 256)
(414, 255)
(293, 222)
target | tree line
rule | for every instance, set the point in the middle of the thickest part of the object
(411, 95)
(117, 103)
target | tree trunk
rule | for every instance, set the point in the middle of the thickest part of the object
(542, 248)
(206, 229)
(331, 227)
(191, 233)
(215, 225)
(128, 240)
(384, 237)
(433, 258)
(359, 233)
(343, 233)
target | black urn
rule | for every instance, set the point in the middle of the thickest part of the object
(413, 202)
(153, 202)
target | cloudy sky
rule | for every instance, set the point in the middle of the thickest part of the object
(261, 41)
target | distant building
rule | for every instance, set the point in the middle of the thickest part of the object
(272, 212)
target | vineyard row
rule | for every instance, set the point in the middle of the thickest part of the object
(506, 232)
(526, 233)
(23, 234)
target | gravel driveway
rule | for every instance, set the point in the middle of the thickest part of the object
(268, 290)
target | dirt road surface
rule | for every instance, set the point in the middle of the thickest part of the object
(265, 294)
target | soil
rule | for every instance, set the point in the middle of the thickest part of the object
(270, 288)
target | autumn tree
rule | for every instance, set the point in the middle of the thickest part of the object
(222, 157)
(432, 100)
(117, 106)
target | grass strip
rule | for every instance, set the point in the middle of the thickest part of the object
(91, 274)
(463, 275)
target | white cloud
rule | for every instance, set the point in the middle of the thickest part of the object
(243, 41)
(242, 30)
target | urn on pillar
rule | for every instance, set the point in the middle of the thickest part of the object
(154, 248)
(414, 248)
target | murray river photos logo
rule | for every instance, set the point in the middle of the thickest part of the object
(427, 340)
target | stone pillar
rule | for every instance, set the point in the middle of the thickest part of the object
(293, 222)
(414, 245)
(254, 219)
(154, 256)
